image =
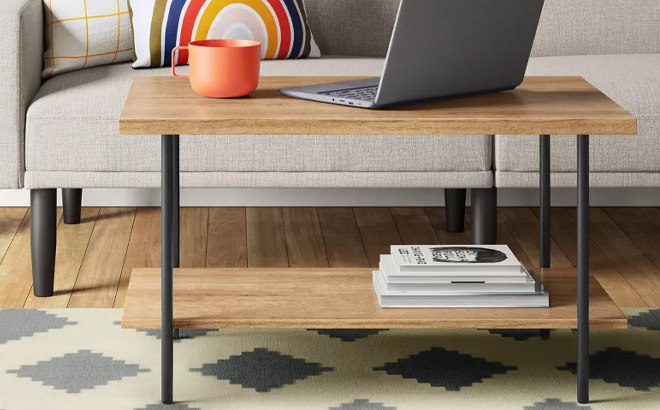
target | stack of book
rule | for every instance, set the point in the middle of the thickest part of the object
(427, 276)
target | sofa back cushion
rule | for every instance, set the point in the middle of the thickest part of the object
(568, 27)
(352, 27)
(595, 27)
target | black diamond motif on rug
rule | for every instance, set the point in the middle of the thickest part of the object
(362, 404)
(262, 369)
(445, 368)
(174, 406)
(556, 404)
(347, 335)
(649, 320)
(19, 323)
(516, 334)
(625, 368)
(78, 371)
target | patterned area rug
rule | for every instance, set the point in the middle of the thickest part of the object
(82, 359)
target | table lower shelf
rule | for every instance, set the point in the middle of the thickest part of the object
(339, 299)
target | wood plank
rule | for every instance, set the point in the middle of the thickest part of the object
(143, 249)
(563, 229)
(227, 243)
(540, 105)
(524, 226)
(194, 236)
(16, 267)
(335, 298)
(341, 235)
(378, 232)
(414, 227)
(407, 211)
(653, 214)
(266, 242)
(437, 217)
(304, 239)
(636, 268)
(10, 221)
(639, 229)
(505, 236)
(72, 242)
(100, 273)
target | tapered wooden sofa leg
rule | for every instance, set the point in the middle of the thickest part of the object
(43, 239)
(72, 204)
(455, 209)
(484, 216)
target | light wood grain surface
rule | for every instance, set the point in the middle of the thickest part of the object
(352, 237)
(16, 266)
(266, 245)
(10, 221)
(227, 238)
(625, 256)
(143, 249)
(335, 298)
(100, 272)
(378, 231)
(524, 225)
(194, 227)
(302, 231)
(614, 283)
(342, 239)
(414, 227)
(541, 105)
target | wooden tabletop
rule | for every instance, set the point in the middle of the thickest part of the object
(541, 105)
(336, 298)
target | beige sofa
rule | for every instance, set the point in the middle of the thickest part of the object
(64, 133)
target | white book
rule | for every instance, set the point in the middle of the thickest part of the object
(390, 299)
(459, 259)
(391, 271)
(464, 284)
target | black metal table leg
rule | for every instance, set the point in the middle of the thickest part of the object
(544, 203)
(583, 270)
(167, 319)
(175, 201)
(176, 216)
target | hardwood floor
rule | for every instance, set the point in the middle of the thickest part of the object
(95, 258)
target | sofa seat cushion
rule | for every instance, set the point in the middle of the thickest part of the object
(72, 126)
(632, 81)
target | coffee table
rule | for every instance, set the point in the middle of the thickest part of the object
(316, 298)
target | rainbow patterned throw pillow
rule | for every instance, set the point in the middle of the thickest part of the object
(160, 25)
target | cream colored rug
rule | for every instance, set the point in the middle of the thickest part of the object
(82, 359)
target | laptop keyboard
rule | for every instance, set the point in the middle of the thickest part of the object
(362, 93)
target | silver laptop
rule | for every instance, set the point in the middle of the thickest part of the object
(442, 48)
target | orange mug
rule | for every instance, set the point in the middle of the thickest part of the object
(222, 68)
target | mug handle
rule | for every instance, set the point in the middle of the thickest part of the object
(174, 50)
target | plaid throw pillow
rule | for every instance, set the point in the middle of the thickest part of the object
(85, 33)
(160, 25)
